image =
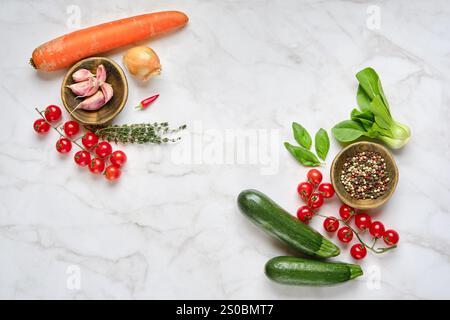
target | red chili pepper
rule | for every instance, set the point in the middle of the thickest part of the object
(146, 102)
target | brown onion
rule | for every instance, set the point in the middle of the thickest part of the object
(142, 62)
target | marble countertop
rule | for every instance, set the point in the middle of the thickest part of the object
(240, 70)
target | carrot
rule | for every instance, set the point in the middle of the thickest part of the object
(70, 48)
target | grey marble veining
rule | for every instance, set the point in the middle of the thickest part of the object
(170, 228)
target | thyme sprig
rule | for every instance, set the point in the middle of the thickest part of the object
(139, 133)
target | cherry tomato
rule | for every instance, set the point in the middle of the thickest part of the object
(346, 212)
(71, 128)
(118, 158)
(331, 224)
(316, 200)
(376, 229)
(391, 237)
(314, 176)
(63, 145)
(52, 113)
(363, 221)
(41, 126)
(112, 172)
(305, 214)
(82, 158)
(103, 149)
(326, 189)
(345, 234)
(358, 251)
(89, 140)
(305, 189)
(97, 165)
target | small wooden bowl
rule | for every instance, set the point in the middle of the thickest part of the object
(350, 151)
(115, 77)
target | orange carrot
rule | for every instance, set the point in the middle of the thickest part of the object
(70, 48)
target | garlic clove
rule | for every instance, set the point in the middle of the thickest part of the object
(81, 75)
(101, 74)
(85, 88)
(107, 91)
(92, 103)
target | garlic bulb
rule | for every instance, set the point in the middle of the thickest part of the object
(142, 62)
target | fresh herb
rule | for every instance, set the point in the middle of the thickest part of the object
(305, 157)
(301, 135)
(139, 133)
(373, 119)
(322, 143)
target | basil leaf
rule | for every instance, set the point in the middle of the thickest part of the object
(348, 130)
(301, 135)
(305, 157)
(322, 143)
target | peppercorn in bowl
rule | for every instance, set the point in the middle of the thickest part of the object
(364, 175)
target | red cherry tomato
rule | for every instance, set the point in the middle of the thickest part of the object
(358, 251)
(118, 158)
(314, 176)
(376, 229)
(103, 149)
(52, 113)
(41, 126)
(363, 221)
(305, 214)
(89, 140)
(331, 224)
(71, 128)
(345, 234)
(316, 200)
(326, 189)
(82, 158)
(97, 165)
(63, 145)
(112, 172)
(391, 237)
(346, 212)
(305, 189)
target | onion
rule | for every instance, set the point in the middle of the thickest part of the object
(142, 62)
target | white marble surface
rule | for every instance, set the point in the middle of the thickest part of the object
(171, 228)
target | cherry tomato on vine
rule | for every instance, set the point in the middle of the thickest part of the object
(391, 237)
(97, 165)
(71, 128)
(82, 158)
(305, 214)
(89, 140)
(314, 177)
(358, 251)
(346, 212)
(112, 173)
(377, 229)
(52, 113)
(305, 189)
(41, 126)
(103, 149)
(63, 145)
(118, 158)
(331, 224)
(363, 221)
(345, 234)
(326, 189)
(316, 200)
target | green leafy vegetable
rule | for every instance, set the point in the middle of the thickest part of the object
(373, 119)
(322, 143)
(301, 135)
(305, 157)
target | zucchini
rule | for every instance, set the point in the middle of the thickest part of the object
(265, 213)
(298, 271)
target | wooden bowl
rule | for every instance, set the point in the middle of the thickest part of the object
(115, 77)
(350, 151)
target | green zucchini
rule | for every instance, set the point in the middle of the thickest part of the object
(298, 271)
(265, 213)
